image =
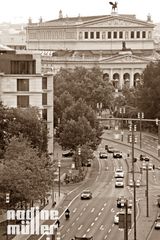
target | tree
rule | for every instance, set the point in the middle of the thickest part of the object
(26, 175)
(148, 93)
(77, 133)
(28, 122)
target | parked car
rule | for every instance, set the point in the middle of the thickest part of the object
(103, 155)
(109, 149)
(144, 157)
(116, 218)
(87, 163)
(86, 194)
(158, 201)
(131, 183)
(119, 182)
(119, 173)
(157, 223)
(68, 153)
(117, 154)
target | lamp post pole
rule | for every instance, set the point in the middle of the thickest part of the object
(7, 202)
(147, 196)
(122, 111)
(132, 128)
(99, 107)
(140, 116)
(158, 124)
(59, 168)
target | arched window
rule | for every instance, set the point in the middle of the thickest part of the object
(106, 77)
(136, 79)
(116, 80)
(126, 79)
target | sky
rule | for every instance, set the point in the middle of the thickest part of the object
(18, 11)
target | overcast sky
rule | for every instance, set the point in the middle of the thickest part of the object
(20, 10)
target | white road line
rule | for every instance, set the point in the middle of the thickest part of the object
(84, 235)
(88, 229)
(102, 209)
(80, 227)
(92, 223)
(68, 229)
(77, 218)
(109, 230)
(112, 210)
(106, 237)
(73, 223)
(75, 210)
(99, 213)
(105, 204)
(81, 214)
(63, 236)
(96, 218)
(92, 210)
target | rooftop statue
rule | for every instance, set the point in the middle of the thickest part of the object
(114, 5)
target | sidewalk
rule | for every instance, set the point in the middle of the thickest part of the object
(58, 200)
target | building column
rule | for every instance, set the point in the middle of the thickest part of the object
(132, 78)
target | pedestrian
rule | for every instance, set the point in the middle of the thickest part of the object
(57, 223)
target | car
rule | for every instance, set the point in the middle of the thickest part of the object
(131, 183)
(119, 173)
(144, 157)
(87, 163)
(120, 202)
(157, 223)
(68, 154)
(86, 194)
(150, 166)
(116, 218)
(158, 201)
(109, 149)
(117, 154)
(138, 183)
(119, 182)
(103, 155)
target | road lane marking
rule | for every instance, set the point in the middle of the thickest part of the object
(106, 237)
(112, 210)
(68, 229)
(81, 214)
(105, 204)
(73, 223)
(92, 223)
(80, 227)
(77, 218)
(84, 235)
(88, 229)
(109, 230)
(92, 210)
(75, 210)
(96, 218)
(99, 213)
(102, 209)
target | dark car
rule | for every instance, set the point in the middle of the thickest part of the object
(158, 202)
(68, 154)
(157, 223)
(109, 149)
(103, 155)
(143, 157)
(120, 202)
(117, 154)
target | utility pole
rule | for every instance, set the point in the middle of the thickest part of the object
(122, 111)
(140, 116)
(158, 124)
(147, 196)
(59, 167)
(132, 128)
(126, 221)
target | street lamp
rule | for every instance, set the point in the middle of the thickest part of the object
(99, 107)
(147, 196)
(122, 111)
(133, 140)
(158, 124)
(79, 159)
(7, 202)
(59, 168)
(140, 116)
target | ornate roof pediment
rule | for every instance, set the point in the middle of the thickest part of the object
(116, 21)
(127, 58)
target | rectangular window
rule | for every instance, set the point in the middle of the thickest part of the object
(22, 84)
(86, 35)
(132, 34)
(23, 101)
(44, 82)
(44, 114)
(44, 98)
(143, 34)
(120, 34)
(109, 35)
(114, 34)
(92, 35)
(97, 34)
(138, 34)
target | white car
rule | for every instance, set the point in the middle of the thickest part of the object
(119, 173)
(138, 183)
(131, 182)
(119, 182)
(116, 218)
